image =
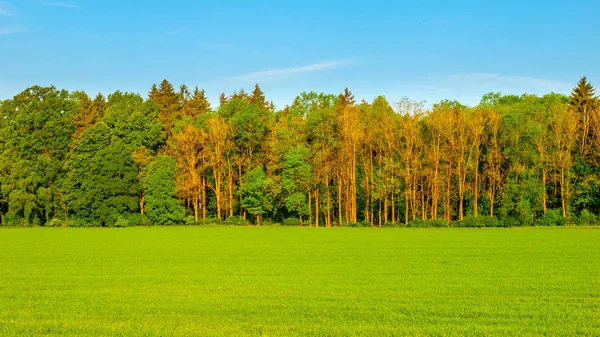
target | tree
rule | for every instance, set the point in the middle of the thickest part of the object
(35, 138)
(106, 164)
(563, 124)
(256, 197)
(162, 206)
(169, 104)
(584, 102)
(89, 112)
(217, 145)
(191, 163)
(297, 177)
(102, 181)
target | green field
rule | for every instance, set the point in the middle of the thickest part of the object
(235, 281)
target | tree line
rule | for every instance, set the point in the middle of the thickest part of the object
(325, 160)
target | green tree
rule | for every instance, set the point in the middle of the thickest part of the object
(257, 193)
(297, 177)
(35, 137)
(162, 206)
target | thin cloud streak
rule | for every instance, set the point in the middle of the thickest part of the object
(11, 30)
(4, 10)
(496, 78)
(54, 3)
(291, 71)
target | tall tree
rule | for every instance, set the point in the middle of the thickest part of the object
(584, 102)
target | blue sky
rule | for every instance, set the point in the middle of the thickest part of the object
(425, 50)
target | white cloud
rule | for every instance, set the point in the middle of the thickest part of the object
(4, 11)
(273, 73)
(55, 3)
(11, 30)
(501, 80)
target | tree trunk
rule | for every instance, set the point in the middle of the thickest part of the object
(195, 205)
(317, 207)
(562, 192)
(142, 203)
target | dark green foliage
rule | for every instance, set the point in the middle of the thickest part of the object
(297, 176)
(137, 219)
(586, 218)
(419, 223)
(478, 222)
(235, 221)
(292, 222)
(257, 197)
(67, 158)
(552, 217)
(35, 137)
(521, 201)
(102, 181)
(162, 206)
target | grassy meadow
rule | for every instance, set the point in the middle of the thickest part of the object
(279, 281)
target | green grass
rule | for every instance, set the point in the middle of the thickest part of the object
(273, 281)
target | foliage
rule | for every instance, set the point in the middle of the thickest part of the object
(327, 159)
(552, 217)
(420, 223)
(235, 221)
(292, 222)
(587, 218)
(479, 222)
(162, 206)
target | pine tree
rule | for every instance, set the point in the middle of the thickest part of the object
(346, 98)
(198, 104)
(258, 97)
(584, 102)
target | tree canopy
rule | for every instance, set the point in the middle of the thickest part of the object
(326, 160)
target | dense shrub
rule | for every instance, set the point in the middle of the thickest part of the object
(552, 217)
(55, 223)
(586, 218)
(478, 222)
(76, 222)
(122, 221)
(420, 223)
(235, 221)
(10, 219)
(269, 222)
(292, 222)
(365, 223)
(137, 219)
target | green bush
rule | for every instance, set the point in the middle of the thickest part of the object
(552, 217)
(121, 222)
(365, 223)
(420, 223)
(138, 219)
(268, 222)
(478, 222)
(211, 221)
(235, 221)
(75, 222)
(191, 221)
(10, 219)
(292, 222)
(586, 218)
(55, 223)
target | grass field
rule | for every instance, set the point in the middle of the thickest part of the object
(273, 281)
